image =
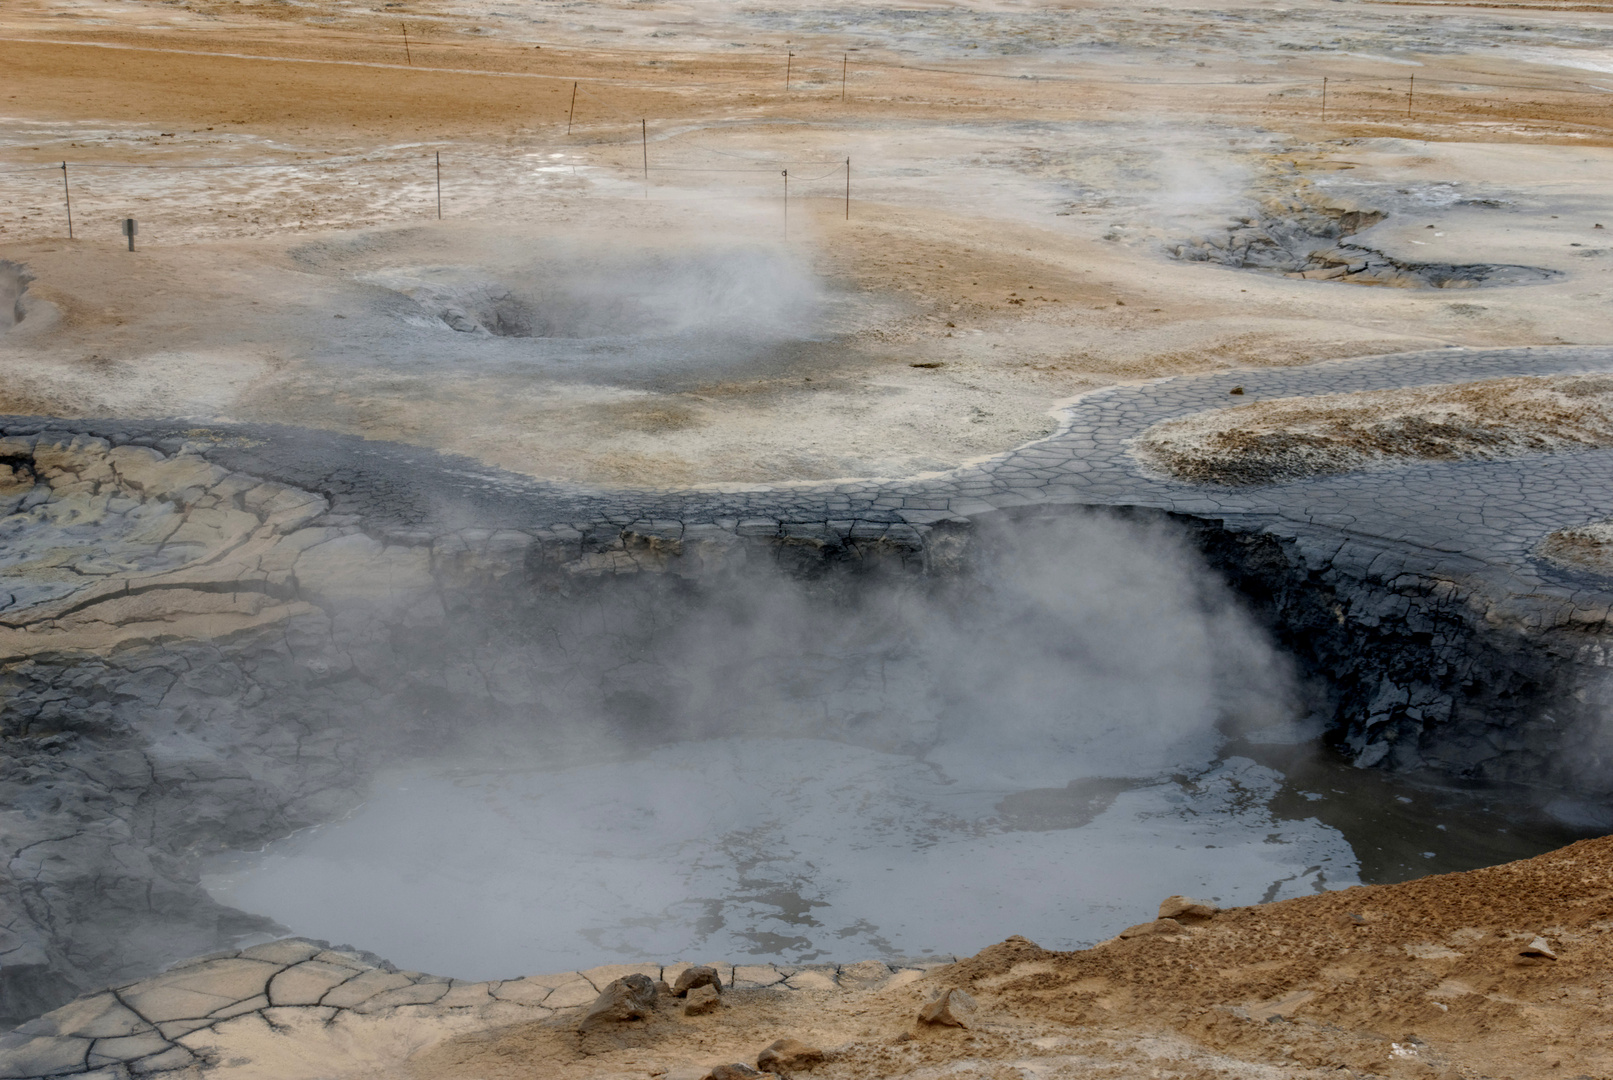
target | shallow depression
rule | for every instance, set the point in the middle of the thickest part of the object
(831, 769)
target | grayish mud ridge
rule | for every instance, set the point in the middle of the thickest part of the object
(14, 281)
(320, 605)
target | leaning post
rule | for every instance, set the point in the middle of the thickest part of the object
(67, 196)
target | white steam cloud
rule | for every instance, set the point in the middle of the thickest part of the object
(569, 291)
(835, 769)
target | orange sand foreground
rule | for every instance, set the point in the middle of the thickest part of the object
(1444, 977)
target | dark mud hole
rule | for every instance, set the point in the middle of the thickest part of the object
(1313, 242)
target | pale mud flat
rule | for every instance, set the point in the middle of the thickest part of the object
(1009, 246)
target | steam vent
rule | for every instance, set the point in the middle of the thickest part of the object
(694, 539)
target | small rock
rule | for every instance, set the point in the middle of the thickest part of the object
(697, 976)
(864, 974)
(736, 1071)
(458, 320)
(1158, 926)
(1539, 949)
(953, 1008)
(1238, 389)
(1186, 909)
(628, 998)
(788, 1055)
(701, 1000)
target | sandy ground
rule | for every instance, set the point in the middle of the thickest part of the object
(1021, 177)
(1494, 972)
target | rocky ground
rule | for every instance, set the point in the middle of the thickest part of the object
(1492, 972)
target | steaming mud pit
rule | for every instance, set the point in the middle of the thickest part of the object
(994, 744)
(815, 852)
(796, 851)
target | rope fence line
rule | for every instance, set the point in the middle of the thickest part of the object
(832, 172)
(761, 166)
(264, 165)
(433, 176)
(1372, 85)
(699, 169)
(764, 166)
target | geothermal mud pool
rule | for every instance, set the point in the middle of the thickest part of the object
(1000, 739)
(1043, 740)
(922, 476)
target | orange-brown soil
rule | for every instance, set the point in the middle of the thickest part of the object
(1422, 979)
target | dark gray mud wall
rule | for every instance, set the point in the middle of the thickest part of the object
(1417, 673)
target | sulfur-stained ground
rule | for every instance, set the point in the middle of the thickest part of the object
(1042, 201)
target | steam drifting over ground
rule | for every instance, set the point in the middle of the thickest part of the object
(831, 769)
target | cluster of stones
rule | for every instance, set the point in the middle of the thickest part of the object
(193, 1012)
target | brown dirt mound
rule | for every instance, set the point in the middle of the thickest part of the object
(1268, 442)
(1423, 979)
(1422, 976)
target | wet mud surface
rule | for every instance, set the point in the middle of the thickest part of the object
(1306, 238)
